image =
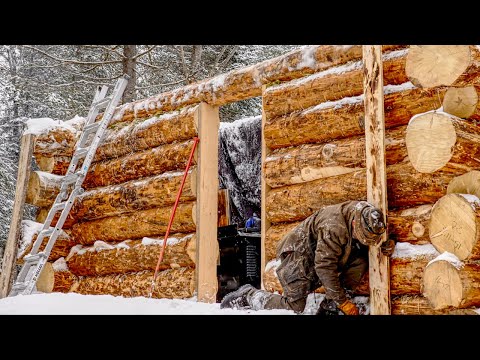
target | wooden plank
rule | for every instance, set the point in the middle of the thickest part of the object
(265, 188)
(379, 265)
(207, 118)
(23, 175)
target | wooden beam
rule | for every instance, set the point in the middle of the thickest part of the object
(10, 253)
(379, 265)
(224, 214)
(265, 188)
(208, 122)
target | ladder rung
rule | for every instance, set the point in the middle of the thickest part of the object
(47, 232)
(59, 206)
(70, 178)
(35, 258)
(102, 103)
(80, 152)
(19, 287)
(91, 128)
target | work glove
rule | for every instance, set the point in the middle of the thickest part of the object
(388, 247)
(348, 308)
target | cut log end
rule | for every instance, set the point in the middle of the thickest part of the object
(46, 280)
(461, 101)
(429, 139)
(436, 65)
(453, 226)
(468, 183)
(442, 285)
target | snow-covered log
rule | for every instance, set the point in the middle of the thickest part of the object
(418, 305)
(140, 164)
(55, 277)
(132, 256)
(435, 138)
(136, 225)
(455, 225)
(436, 65)
(155, 191)
(331, 84)
(299, 164)
(450, 282)
(406, 188)
(171, 284)
(344, 118)
(30, 230)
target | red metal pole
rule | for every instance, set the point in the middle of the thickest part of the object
(172, 215)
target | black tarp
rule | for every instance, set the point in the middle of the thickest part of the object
(239, 166)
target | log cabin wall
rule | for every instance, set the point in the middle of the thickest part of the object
(313, 155)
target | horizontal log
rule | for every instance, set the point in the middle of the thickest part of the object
(156, 191)
(418, 305)
(138, 165)
(344, 118)
(468, 183)
(449, 282)
(170, 284)
(455, 225)
(404, 225)
(295, 165)
(139, 224)
(55, 277)
(30, 230)
(406, 273)
(332, 84)
(406, 188)
(43, 188)
(462, 102)
(132, 256)
(244, 83)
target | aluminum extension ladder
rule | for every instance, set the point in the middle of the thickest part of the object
(86, 148)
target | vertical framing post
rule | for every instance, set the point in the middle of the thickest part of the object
(207, 203)
(379, 265)
(265, 225)
(23, 175)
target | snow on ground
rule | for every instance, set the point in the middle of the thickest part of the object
(77, 304)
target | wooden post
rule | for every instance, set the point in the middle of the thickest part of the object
(224, 217)
(265, 189)
(379, 265)
(208, 122)
(10, 253)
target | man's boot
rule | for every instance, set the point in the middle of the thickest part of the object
(245, 297)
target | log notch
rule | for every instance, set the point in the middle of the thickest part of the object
(437, 65)
(57, 165)
(331, 84)
(244, 83)
(295, 165)
(30, 230)
(345, 118)
(171, 284)
(132, 256)
(43, 188)
(418, 305)
(449, 282)
(406, 188)
(461, 101)
(435, 138)
(468, 183)
(141, 164)
(55, 277)
(455, 225)
(151, 222)
(406, 269)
